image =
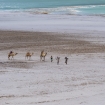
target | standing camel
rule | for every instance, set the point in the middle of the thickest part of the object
(28, 55)
(11, 55)
(43, 55)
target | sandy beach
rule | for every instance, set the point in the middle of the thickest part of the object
(35, 82)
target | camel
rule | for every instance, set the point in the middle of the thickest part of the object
(11, 55)
(43, 55)
(28, 55)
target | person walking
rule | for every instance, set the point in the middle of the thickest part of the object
(51, 58)
(66, 60)
(58, 59)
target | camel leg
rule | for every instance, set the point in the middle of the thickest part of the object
(12, 57)
(8, 57)
(30, 58)
(44, 58)
(26, 57)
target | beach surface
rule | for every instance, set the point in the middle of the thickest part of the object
(35, 82)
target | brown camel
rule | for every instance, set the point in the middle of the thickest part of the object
(42, 55)
(11, 55)
(28, 55)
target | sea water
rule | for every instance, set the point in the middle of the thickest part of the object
(77, 7)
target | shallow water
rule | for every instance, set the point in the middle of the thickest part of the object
(82, 7)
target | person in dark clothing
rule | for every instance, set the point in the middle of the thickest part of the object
(51, 58)
(58, 58)
(66, 60)
(11, 52)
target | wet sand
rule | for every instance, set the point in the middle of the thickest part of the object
(50, 42)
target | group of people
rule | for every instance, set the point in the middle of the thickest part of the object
(58, 59)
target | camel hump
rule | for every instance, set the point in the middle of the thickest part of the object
(28, 52)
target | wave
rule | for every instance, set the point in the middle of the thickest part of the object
(59, 10)
(68, 10)
(92, 9)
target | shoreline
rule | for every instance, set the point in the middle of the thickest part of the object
(51, 23)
